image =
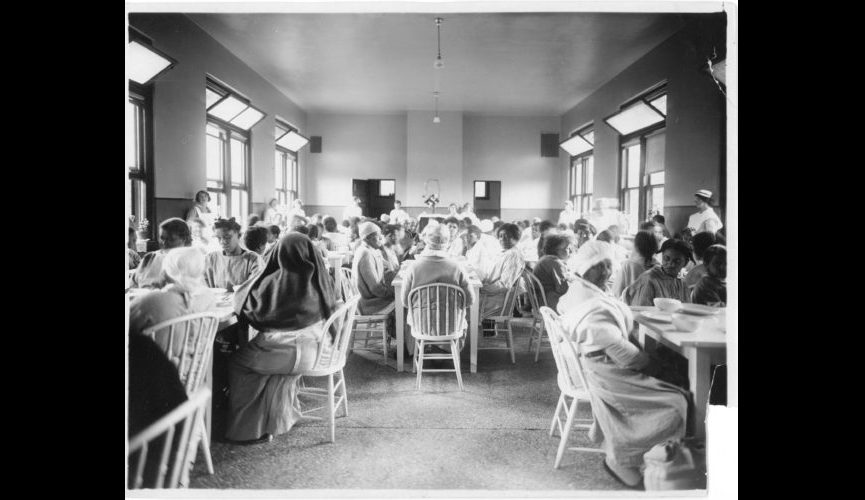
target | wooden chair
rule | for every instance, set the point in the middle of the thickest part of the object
(572, 384)
(330, 360)
(535, 322)
(373, 327)
(502, 322)
(188, 342)
(168, 473)
(444, 305)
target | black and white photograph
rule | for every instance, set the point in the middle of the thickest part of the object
(431, 249)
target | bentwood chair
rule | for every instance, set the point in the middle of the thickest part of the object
(535, 322)
(502, 322)
(371, 329)
(188, 342)
(572, 384)
(330, 361)
(438, 313)
(173, 463)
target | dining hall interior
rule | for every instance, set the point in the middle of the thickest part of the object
(422, 250)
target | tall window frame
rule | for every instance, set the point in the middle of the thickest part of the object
(229, 172)
(140, 154)
(286, 174)
(641, 192)
(582, 169)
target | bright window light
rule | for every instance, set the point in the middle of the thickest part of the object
(292, 141)
(589, 136)
(719, 70)
(660, 104)
(145, 63)
(247, 118)
(210, 98)
(480, 189)
(386, 188)
(228, 108)
(635, 117)
(575, 145)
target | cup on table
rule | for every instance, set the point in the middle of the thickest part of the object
(668, 305)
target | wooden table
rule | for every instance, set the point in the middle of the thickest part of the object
(474, 321)
(703, 348)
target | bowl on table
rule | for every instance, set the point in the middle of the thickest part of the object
(668, 305)
(687, 322)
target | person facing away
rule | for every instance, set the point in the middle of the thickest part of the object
(705, 219)
(641, 260)
(173, 233)
(288, 303)
(711, 290)
(232, 265)
(398, 215)
(552, 270)
(255, 239)
(662, 281)
(700, 243)
(435, 265)
(633, 408)
(373, 281)
(504, 272)
(544, 228)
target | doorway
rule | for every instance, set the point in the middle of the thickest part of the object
(487, 199)
(376, 195)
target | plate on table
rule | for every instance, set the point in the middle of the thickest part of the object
(659, 316)
(699, 310)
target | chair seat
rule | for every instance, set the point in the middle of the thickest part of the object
(442, 339)
(370, 318)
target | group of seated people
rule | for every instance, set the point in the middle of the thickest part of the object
(284, 293)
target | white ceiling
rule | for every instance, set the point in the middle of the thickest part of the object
(495, 63)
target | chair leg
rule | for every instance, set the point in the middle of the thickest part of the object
(511, 344)
(384, 343)
(563, 443)
(344, 393)
(556, 415)
(204, 443)
(540, 340)
(330, 408)
(419, 355)
(455, 352)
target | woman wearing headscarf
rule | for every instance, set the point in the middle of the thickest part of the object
(288, 302)
(663, 281)
(633, 410)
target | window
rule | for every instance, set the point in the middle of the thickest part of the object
(582, 170)
(138, 165)
(285, 170)
(482, 191)
(386, 188)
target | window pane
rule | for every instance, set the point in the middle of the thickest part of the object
(235, 206)
(238, 162)
(210, 97)
(386, 188)
(657, 200)
(139, 199)
(634, 117)
(228, 108)
(480, 189)
(292, 173)
(244, 205)
(214, 158)
(656, 178)
(634, 166)
(132, 146)
(589, 136)
(579, 178)
(632, 208)
(247, 118)
(278, 170)
(660, 103)
(573, 180)
(590, 175)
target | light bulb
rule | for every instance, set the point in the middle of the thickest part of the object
(438, 64)
(436, 119)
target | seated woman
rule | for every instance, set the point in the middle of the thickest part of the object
(641, 260)
(272, 237)
(314, 235)
(232, 265)
(455, 245)
(255, 239)
(173, 233)
(711, 290)
(368, 270)
(504, 272)
(288, 303)
(663, 281)
(435, 265)
(633, 410)
(700, 243)
(552, 271)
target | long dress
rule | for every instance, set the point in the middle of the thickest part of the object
(376, 296)
(200, 220)
(632, 412)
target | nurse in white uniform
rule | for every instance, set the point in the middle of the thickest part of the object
(706, 220)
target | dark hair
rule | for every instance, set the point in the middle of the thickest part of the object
(707, 200)
(302, 230)
(545, 225)
(659, 219)
(453, 205)
(702, 241)
(255, 237)
(271, 201)
(274, 230)
(202, 192)
(715, 260)
(497, 224)
(467, 221)
(679, 246)
(605, 235)
(553, 242)
(472, 229)
(131, 230)
(227, 224)
(314, 231)
(329, 224)
(179, 228)
(451, 220)
(390, 229)
(646, 245)
(397, 201)
(510, 230)
(251, 220)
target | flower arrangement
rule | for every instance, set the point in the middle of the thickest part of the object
(431, 201)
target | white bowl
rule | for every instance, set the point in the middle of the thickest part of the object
(687, 322)
(668, 305)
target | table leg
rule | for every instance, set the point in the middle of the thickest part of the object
(641, 335)
(400, 327)
(699, 365)
(475, 313)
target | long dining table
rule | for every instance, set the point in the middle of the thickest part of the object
(703, 348)
(474, 322)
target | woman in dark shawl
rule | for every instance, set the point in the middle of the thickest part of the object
(287, 302)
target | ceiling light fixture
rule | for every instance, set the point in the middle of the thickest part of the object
(439, 64)
(436, 118)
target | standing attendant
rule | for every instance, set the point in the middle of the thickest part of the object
(568, 216)
(200, 219)
(705, 219)
(353, 211)
(272, 215)
(398, 215)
